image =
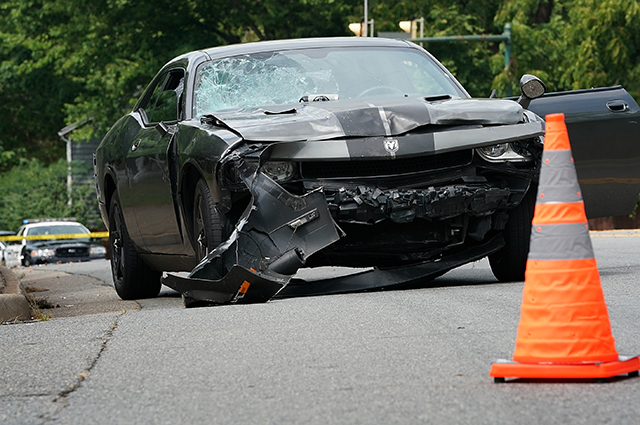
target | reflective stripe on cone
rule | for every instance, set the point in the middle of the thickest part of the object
(564, 324)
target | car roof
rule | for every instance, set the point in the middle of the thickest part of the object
(303, 43)
(298, 43)
(54, 223)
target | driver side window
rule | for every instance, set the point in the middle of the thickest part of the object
(165, 102)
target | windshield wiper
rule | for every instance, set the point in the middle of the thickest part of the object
(437, 97)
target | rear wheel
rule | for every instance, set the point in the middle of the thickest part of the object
(510, 263)
(208, 225)
(132, 278)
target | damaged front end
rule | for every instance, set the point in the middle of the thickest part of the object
(273, 238)
(403, 208)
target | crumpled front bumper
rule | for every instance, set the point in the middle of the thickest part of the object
(278, 231)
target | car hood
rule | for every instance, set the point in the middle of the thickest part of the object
(360, 118)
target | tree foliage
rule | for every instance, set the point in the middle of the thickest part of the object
(33, 190)
(68, 60)
(63, 61)
(576, 44)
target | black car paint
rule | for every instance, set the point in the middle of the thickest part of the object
(153, 170)
(603, 126)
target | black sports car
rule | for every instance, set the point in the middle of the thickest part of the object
(244, 163)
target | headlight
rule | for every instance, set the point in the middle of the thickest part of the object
(231, 175)
(280, 171)
(97, 250)
(507, 152)
(494, 151)
(43, 253)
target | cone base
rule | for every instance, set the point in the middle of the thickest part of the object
(508, 369)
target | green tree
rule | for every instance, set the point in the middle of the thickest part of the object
(605, 45)
(575, 44)
(66, 60)
(34, 190)
(470, 62)
(63, 61)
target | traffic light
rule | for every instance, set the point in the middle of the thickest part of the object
(411, 27)
(361, 30)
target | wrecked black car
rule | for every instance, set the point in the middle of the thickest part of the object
(242, 164)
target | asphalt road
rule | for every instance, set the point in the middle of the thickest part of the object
(395, 357)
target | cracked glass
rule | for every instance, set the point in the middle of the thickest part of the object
(328, 74)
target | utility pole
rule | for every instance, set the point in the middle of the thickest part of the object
(366, 18)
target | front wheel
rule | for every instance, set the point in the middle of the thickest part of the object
(132, 278)
(26, 262)
(209, 227)
(510, 262)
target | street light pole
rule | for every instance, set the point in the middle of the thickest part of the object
(366, 18)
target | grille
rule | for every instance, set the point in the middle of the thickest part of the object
(382, 167)
(72, 252)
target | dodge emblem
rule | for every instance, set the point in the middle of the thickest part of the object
(391, 146)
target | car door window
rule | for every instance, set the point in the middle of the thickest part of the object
(165, 101)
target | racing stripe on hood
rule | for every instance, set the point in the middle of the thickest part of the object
(356, 118)
(364, 121)
(385, 121)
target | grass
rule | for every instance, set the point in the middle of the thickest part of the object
(37, 305)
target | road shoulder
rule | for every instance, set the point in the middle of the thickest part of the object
(55, 294)
(62, 294)
(13, 301)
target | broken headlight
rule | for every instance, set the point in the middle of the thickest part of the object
(279, 171)
(231, 176)
(513, 152)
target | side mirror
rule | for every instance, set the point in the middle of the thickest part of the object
(531, 88)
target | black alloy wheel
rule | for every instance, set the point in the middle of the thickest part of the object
(132, 278)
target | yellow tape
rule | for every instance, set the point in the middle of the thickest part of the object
(51, 237)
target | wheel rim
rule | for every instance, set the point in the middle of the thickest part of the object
(117, 251)
(200, 230)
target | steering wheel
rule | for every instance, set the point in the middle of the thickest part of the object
(381, 89)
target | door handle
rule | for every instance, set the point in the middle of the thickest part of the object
(135, 145)
(617, 105)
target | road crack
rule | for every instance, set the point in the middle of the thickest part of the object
(61, 397)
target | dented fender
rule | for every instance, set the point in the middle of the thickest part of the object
(274, 236)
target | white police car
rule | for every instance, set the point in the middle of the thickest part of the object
(52, 241)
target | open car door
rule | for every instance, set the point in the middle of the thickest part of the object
(604, 131)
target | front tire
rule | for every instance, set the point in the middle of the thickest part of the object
(132, 278)
(510, 262)
(209, 227)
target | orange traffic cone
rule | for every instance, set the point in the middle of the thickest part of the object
(564, 330)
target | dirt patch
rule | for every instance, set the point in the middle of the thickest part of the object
(62, 295)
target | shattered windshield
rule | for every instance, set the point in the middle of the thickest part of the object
(328, 74)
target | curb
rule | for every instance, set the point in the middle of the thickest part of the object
(13, 300)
